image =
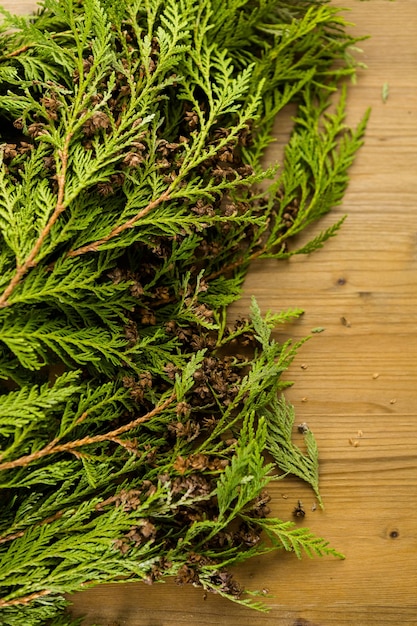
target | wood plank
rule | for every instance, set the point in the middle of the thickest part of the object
(21, 7)
(358, 389)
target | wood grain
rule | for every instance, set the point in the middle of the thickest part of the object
(21, 7)
(357, 387)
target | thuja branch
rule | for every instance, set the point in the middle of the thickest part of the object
(17, 535)
(60, 207)
(17, 52)
(26, 599)
(54, 447)
(95, 245)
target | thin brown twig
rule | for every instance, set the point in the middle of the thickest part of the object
(25, 599)
(60, 207)
(129, 446)
(37, 594)
(54, 448)
(51, 444)
(82, 417)
(27, 46)
(47, 520)
(16, 53)
(92, 247)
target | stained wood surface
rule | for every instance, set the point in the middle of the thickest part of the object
(355, 383)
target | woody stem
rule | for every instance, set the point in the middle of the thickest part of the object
(54, 448)
(60, 207)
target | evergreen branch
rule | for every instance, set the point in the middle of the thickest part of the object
(290, 459)
(316, 243)
(21, 533)
(55, 448)
(16, 53)
(22, 49)
(295, 539)
(26, 599)
(94, 246)
(60, 206)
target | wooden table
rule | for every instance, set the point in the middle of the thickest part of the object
(355, 383)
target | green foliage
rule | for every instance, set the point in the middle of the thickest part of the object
(133, 416)
(299, 540)
(280, 420)
(246, 475)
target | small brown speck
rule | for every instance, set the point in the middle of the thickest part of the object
(304, 366)
(313, 506)
(375, 376)
(393, 401)
(354, 442)
(304, 399)
(360, 433)
(344, 321)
